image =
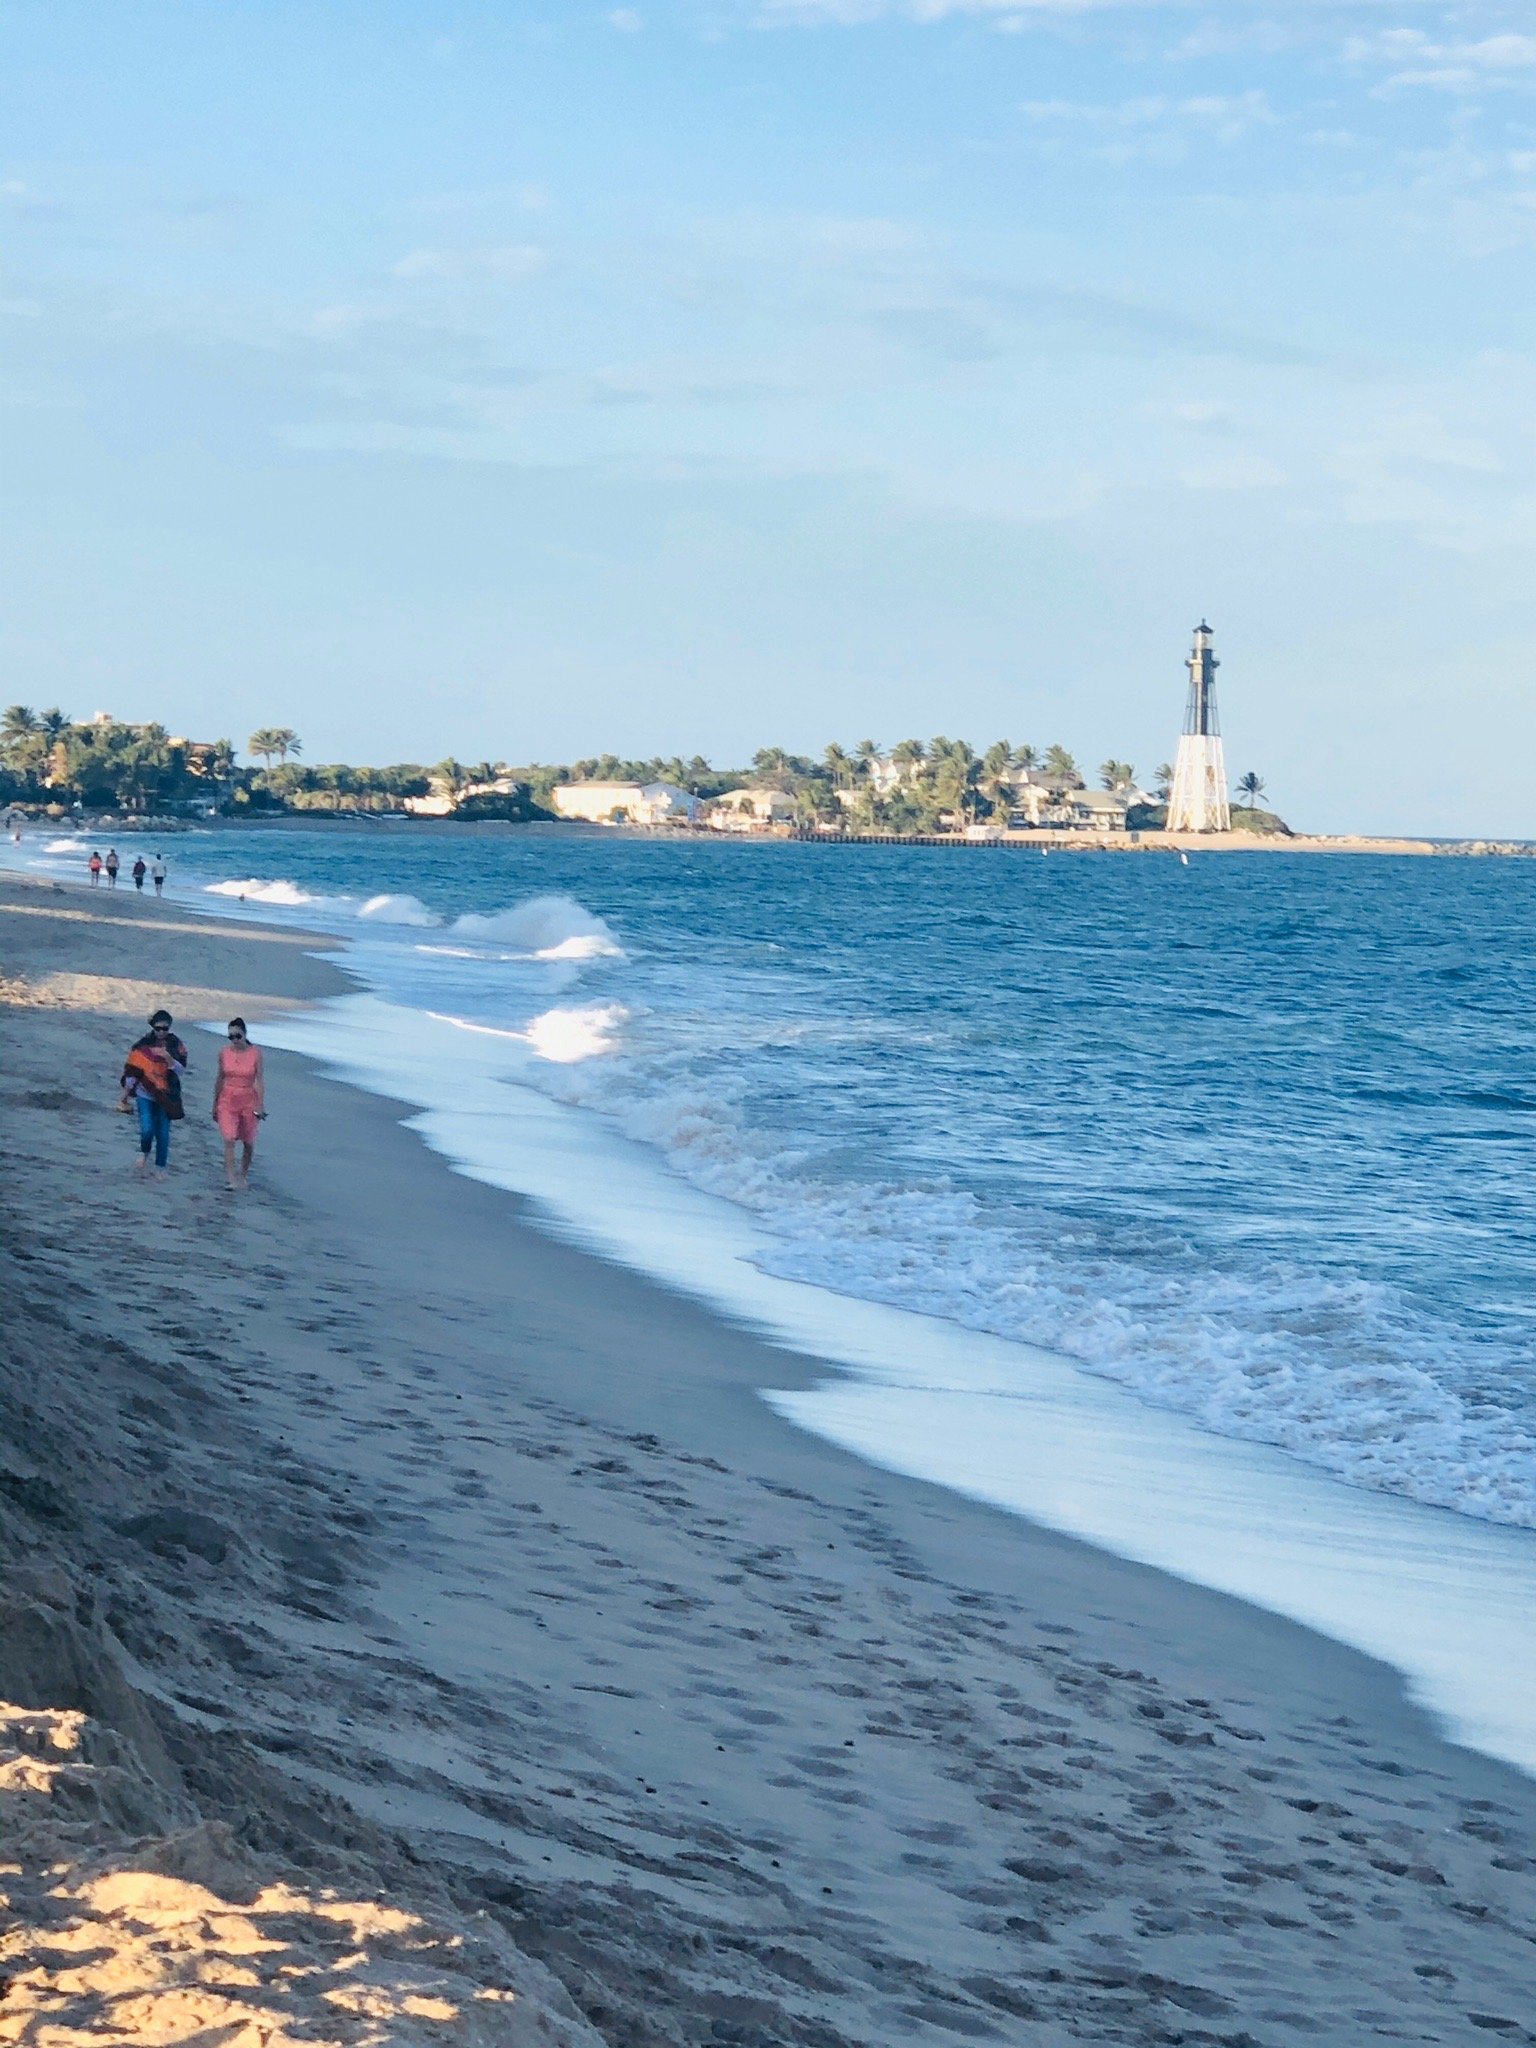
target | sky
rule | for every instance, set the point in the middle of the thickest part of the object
(527, 382)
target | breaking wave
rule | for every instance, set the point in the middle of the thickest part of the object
(407, 910)
(1335, 1370)
(283, 895)
(547, 927)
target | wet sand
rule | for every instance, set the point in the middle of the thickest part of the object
(408, 1552)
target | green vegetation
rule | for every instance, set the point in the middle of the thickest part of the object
(48, 760)
(917, 786)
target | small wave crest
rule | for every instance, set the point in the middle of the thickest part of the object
(1332, 1368)
(407, 910)
(548, 927)
(254, 890)
(568, 1037)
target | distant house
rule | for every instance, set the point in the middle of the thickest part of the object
(626, 803)
(1031, 802)
(597, 803)
(1097, 810)
(663, 803)
(751, 810)
(883, 774)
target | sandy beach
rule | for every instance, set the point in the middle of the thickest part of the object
(415, 1628)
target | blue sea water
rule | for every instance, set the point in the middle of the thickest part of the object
(1213, 1186)
(1255, 1137)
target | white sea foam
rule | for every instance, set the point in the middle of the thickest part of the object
(547, 927)
(1333, 1368)
(582, 946)
(287, 895)
(1330, 1369)
(408, 910)
(566, 1038)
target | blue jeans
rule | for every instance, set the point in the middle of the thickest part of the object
(154, 1129)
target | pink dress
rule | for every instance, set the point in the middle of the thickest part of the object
(240, 1095)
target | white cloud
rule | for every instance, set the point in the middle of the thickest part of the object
(1003, 14)
(1161, 124)
(501, 262)
(1418, 60)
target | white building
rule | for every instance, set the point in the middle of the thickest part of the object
(1096, 810)
(626, 803)
(751, 810)
(1198, 800)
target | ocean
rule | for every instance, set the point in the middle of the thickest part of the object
(1189, 1208)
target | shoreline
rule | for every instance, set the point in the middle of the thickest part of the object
(570, 1484)
(1051, 839)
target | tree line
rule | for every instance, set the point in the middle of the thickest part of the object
(48, 758)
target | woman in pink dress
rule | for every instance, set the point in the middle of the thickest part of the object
(239, 1101)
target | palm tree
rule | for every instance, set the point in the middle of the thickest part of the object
(1117, 774)
(1061, 767)
(956, 771)
(450, 774)
(1250, 788)
(840, 766)
(997, 776)
(19, 732)
(1163, 780)
(866, 753)
(909, 756)
(140, 770)
(53, 729)
(1026, 757)
(771, 764)
(265, 744)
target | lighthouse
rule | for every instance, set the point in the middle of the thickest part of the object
(1198, 800)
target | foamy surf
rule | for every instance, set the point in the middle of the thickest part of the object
(554, 927)
(1332, 1367)
(1008, 1423)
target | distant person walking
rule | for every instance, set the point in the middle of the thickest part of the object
(95, 867)
(151, 1081)
(139, 872)
(239, 1101)
(157, 873)
(112, 867)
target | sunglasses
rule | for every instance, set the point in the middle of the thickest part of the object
(235, 1037)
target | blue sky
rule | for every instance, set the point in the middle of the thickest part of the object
(698, 375)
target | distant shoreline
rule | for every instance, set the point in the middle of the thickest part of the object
(1048, 839)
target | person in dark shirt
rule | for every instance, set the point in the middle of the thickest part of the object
(151, 1082)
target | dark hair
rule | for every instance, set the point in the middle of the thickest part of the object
(233, 1022)
(161, 1017)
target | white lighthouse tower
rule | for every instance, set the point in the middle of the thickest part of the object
(1198, 800)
